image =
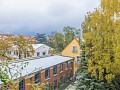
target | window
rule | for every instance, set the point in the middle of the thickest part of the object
(61, 67)
(66, 78)
(61, 81)
(37, 78)
(28, 54)
(71, 64)
(16, 53)
(55, 85)
(47, 74)
(48, 87)
(31, 80)
(38, 53)
(44, 52)
(74, 49)
(55, 70)
(78, 59)
(66, 65)
(21, 85)
(9, 52)
(71, 74)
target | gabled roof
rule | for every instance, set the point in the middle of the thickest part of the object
(70, 43)
(35, 46)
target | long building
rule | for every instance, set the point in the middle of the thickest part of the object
(54, 71)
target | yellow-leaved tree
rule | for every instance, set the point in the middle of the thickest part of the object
(101, 30)
(24, 47)
(6, 67)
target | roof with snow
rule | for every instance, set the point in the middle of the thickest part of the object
(36, 65)
(35, 46)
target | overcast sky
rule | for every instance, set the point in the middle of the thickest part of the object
(28, 17)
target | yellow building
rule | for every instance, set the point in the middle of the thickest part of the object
(73, 50)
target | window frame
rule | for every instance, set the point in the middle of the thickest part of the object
(71, 74)
(55, 85)
(38, 53)
(37, 78)
(61, 81)
(78, 62)
(55, 70)
(71, 64)
(66, 78)
(22, 82)
(61, 67)
(74, 49)
(31, 80)
(48, 72)
(66, 65)
(47, 86)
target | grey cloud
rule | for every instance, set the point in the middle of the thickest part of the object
(43, 15)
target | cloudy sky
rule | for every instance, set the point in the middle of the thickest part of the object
(28, 17)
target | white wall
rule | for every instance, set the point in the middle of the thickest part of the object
(41, 49)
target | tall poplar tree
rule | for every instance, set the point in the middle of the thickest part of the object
(101, 29)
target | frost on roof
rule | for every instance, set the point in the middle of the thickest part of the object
(35, 46)
(40, 64)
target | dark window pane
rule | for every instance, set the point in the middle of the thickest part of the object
(21, 85)
(47, 74)
(37, 78)
(55, 70)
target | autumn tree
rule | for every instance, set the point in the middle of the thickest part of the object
(101, 32)
(85, 81)
(6, 68)
(23, 46)
(5, 46)
(56, 40)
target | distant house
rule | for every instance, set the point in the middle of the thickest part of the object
(4, 36)
(14, 53)
(53, 71)
(31, 39)
(73, 50)
(41, 50)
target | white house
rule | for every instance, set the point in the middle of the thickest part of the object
(14, 53)
(41, 50)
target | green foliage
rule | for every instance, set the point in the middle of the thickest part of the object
(41, 38)
(101, 33)
(86, 82)
(5, 46)
(59, 40)
(56, 40)
(6, 68)
(69, 33)
(23, 46)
